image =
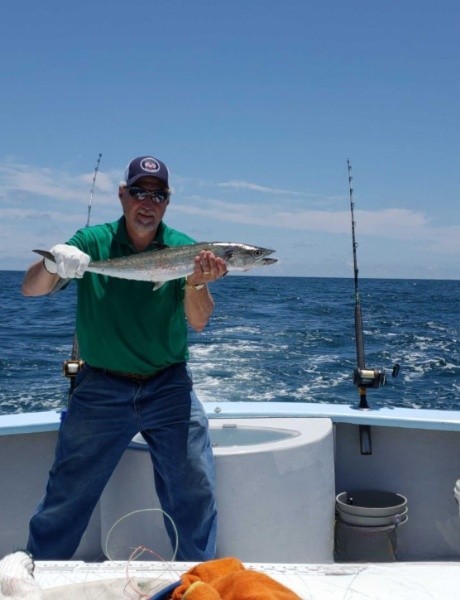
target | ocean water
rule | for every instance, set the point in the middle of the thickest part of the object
(284, 339)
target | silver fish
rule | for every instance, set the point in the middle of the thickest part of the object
(174, 262)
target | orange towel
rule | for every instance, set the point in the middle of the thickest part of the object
(228, 579)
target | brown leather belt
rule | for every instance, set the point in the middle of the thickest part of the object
(133, 376)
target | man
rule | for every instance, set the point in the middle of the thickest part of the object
(134, 344)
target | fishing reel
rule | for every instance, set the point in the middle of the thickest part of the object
(369, 378)
(372, 378)
(72, 367)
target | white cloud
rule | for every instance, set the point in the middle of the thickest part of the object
(391, 223)
(254, 187)
(34, 215)
(25, 181)
(388, 222)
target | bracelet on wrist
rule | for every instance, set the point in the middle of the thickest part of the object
(197, 286)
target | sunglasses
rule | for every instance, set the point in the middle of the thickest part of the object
(139, 193)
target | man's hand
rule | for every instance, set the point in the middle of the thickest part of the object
(207, 268)
(69, 262)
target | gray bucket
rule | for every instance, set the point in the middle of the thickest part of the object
(366, 525)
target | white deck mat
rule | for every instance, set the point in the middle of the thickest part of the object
(382, 581)
(109, 589)
(75, 580)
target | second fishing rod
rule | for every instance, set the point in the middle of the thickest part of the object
(363, 377)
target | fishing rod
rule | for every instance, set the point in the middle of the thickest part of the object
(363, 377)
(74, 364)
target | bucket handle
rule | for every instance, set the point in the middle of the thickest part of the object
(400, 519)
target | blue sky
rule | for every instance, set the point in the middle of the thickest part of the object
(255, 106)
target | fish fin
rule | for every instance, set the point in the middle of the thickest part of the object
(45, 254)
(157, 285)
(61, 284)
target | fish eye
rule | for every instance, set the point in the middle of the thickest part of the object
(257, 253)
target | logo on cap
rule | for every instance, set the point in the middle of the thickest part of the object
(150, 165)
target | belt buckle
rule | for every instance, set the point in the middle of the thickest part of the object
(139, 377)
(132, 376)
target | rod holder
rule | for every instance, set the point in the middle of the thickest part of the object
(365, 440)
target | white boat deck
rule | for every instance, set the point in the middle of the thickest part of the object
(382, 581)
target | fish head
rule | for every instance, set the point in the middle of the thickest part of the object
(243, 256)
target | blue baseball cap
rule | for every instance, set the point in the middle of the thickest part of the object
(145, 166)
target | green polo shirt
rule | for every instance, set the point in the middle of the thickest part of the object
(123, 325)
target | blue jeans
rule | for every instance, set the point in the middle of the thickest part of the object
(104, 414)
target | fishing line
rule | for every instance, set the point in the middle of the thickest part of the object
(380, 569)
(154, 586)
(91, 194)
(143, 510)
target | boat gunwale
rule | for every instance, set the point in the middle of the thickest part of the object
(409, 418)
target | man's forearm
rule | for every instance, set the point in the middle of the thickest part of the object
(198, 305)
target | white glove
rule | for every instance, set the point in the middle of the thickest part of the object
(69, 262)
(16, 578)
